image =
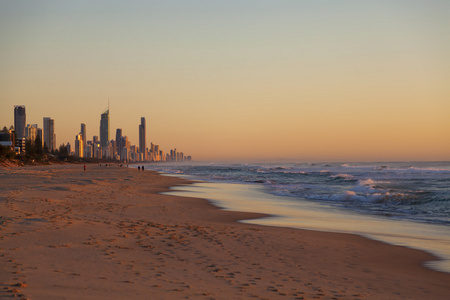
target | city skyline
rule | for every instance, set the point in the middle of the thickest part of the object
(120, 149)
(305, 80)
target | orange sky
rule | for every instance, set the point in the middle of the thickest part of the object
(237, 80)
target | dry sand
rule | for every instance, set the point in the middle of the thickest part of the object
(107, 234)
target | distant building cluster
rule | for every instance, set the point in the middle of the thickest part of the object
(21, 132)
(119, 148)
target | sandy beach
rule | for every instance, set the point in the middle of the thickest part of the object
(107, 233)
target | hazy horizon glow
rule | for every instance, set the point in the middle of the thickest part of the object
(230, 80)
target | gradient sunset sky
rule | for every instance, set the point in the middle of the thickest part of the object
(303, 80)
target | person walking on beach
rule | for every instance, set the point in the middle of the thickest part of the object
(139, 168)
(142, 168)
(85, 168)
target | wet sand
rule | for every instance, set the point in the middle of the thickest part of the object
(107, 233)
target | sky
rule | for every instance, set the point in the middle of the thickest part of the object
(235, 80)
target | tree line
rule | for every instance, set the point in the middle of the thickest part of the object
(34, 151)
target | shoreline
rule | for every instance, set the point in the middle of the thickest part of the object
(287, 212)
(110, 233)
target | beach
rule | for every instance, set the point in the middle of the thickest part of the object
(109, 233)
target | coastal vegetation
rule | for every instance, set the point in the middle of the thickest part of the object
(37, 153)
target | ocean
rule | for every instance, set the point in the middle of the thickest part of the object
(417, 191)
(403, 203)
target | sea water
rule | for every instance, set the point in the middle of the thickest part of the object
(402, 203)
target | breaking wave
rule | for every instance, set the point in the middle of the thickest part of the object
(405, 190)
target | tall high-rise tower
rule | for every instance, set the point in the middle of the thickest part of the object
(83, 135)
(104, 129)
(142, 144)
(49, 133)
(79, 150)
(20, 119)
(119, 145)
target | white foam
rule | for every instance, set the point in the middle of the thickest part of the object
(343, 176)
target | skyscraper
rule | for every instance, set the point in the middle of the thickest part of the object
(104, 129)
(119, 145)
(49, 133)
(41, 136)
(142, 146)
(125, 150)
(19, 121)
(31, 132)
(79, 150)
(83, 135)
